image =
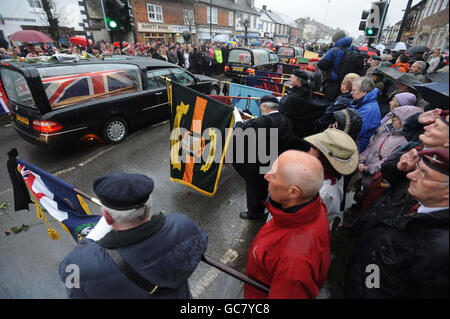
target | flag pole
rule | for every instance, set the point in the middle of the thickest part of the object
(208, 260)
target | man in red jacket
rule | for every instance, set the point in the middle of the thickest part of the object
(291, 253)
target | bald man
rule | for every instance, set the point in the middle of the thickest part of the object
(291, 253)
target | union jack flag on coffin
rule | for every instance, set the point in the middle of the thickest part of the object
(65, 89)
(58, 198)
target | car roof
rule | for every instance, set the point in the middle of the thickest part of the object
(252, 49)
(142, 62)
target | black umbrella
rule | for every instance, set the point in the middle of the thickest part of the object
(437, 77)
(435, 93)
(403, 78)
(417, 49)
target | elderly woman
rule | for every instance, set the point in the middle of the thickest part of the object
(365, 96)
(385, 142)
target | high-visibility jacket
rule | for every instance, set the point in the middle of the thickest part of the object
(218, 56)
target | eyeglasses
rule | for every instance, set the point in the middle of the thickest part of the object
(422, 175)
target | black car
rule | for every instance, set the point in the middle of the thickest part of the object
(290, 54)
(245, 61)
(61, 103)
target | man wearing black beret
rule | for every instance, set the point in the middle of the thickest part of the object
(163, 250)
(249, 169)
(408, 253)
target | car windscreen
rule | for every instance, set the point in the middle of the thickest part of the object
(286, 51)
(16, 88)
(70, 84)
(240, 56)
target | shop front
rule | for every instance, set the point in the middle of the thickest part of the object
(156, 32)
(252, 37)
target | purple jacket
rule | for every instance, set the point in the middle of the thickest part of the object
(386, 140)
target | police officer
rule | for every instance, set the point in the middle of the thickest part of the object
(164, 250)
(256, 185)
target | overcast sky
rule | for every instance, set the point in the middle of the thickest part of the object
(345, 14)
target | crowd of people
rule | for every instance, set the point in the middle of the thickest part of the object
(357, 131)
(393, 156)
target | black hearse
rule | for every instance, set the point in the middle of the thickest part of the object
(245, 61)
(290, 54)
(61, 103)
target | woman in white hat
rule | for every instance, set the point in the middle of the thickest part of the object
(338, 154)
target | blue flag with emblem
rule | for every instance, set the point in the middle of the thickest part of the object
(56, 197)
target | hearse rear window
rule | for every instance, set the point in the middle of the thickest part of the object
(260, 56)
(16, 88)
(71, 84)
(240, 56)
(286, 51)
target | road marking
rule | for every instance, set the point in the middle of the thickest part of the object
(204, 282)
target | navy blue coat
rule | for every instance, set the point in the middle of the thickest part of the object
(165, 251)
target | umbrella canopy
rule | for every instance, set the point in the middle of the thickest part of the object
(438, 77)
(417, 49)
(398, 46)
(403, 78)
(30, 36)
(117, 45)
(79, 40)
(435, 93)
(380, 47)
(369, 51)
(221, 38)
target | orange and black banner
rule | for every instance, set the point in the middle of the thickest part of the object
(200, 130)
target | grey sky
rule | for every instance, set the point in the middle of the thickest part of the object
(345, 14)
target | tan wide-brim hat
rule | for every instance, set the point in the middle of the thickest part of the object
(338, 147)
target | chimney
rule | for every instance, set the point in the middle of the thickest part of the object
(252, 4)
(264, 7)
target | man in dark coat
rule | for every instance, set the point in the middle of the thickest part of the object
(248, 166)
(164, 250)
(331, 62)
(406, 256)
(300, 106)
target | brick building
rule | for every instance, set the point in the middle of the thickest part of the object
(433, 27)
(222, 17)
(163, 20)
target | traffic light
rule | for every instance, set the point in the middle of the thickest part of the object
(111, 14)
(362, 24)
(375, 19)
(125, 18)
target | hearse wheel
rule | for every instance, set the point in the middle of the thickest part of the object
(115, 130)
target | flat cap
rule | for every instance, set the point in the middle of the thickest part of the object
(122, 191)
(376, 57)
(268, 98)
(300, 74)
(436, 159)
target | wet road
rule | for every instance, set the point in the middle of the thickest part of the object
(29, 263)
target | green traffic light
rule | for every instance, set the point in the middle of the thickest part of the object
(113, 24)
(369, 31)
